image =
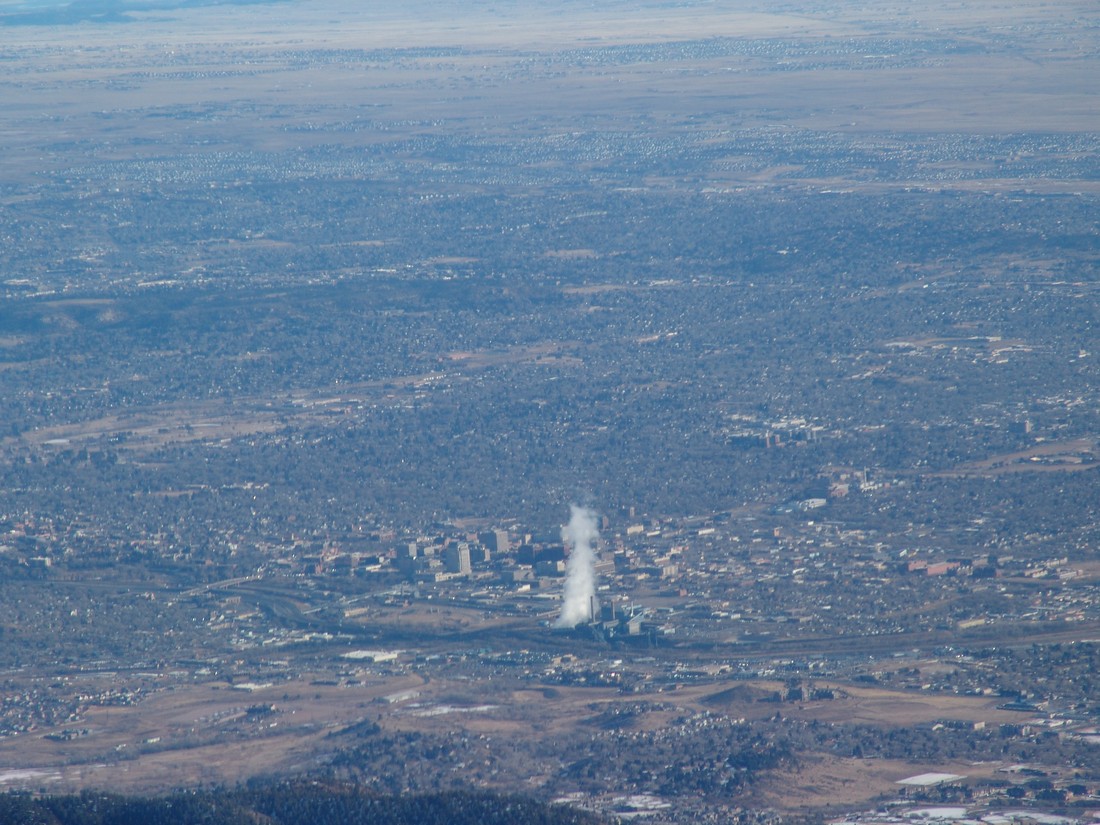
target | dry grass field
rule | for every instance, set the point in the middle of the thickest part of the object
(203, 733)
(191, 729)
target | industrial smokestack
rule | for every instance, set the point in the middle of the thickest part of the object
(579, 601)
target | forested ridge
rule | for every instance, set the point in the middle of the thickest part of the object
(295, 803)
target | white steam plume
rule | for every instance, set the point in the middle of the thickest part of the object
(579, 602)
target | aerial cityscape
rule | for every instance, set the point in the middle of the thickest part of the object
(678, 412)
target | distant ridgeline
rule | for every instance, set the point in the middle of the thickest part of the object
(294, 803)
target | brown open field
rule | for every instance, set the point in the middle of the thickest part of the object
(844, 783)
(194, 731)
(189, 734)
